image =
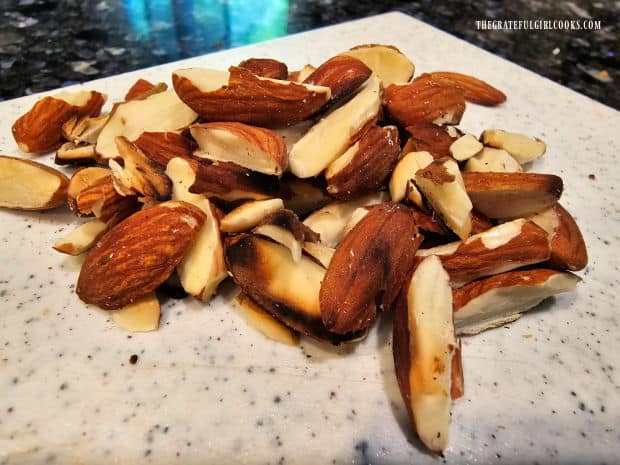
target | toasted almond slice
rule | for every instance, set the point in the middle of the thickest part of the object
(442, 185)
(500, 299)
(255, 148)
(424, 347)
(266, 67)
(423, 100)
(302, 74)
(355, 218)
(261, 320)
(28, 185)
(284, 227)
(161, 147)
(40, 129)
(203, 267)
(377, 255)
(386, 61)
(499, 249)
(342, 74)
(288, 290)
(101, 199)
(249, 214)
(523, 148)
(401, 185)
(291, 134)
(229, 182)
(365, 166)
(331, 220)
(465, 147)
(142, 89)
(163, 111)
(81, 180)
(474, 90)
(512, 195)
(72, 154)
(84, 130)
(494, 160)
(82, 238)
(568, 249)
(332, 135)
(431, 138)
(138, 175)
(319, 252)
(241, 96)
(303, 196)
(141, 315)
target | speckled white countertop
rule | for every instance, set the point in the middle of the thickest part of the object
(208, 389)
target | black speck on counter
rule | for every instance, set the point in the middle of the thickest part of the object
(63, 386)
(277, 399)
(133, 359)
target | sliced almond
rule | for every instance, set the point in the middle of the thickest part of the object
(249, 214)
(72, 154)
(101, 199)
(494, 160)
(203, 267)
(40, 129)
(431, 138)
(465, 147)
(500, 299)
(84, 130)
(364, 167)
(319, 252)
(523, 148)
(512, 195)
(568, 249)
(386, 61)
(302, 74)
(252, 147)
(355, 218)
(424, 347)
(288, 290)
(81, 180)
(291, 134)
(162, 111)
(377, 255)
(161, 147)
(442, 185)
(142, 89)
(303, 196)
(82, 238)
(28, 185)
(261, 320)
(331, 220)
(332, 135)
(266, 67)
(284, 227)
(138, 175)
(499, 249)
(240, 95)
(401, 182)
(141, 315)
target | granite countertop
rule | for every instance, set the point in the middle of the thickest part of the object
(46, 44)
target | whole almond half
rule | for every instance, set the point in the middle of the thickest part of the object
(28, 185)
(257, 149)
(494, 160)
(500, 299)
(40, 129)
(523, 148)
(240, 95)
(266, 67)
(512, 195)
(342, 74)
(424, 100)
(365, 166)
(138, 254)
(474, 90)
(377, 254)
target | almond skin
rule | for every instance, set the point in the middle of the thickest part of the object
(40, 129)
(431, 138)
(249, 99)
(266, 67)
(342, 74)
(424, 100)
(373, 161)
(161, 147)
(143, 88)
(377, 254)
(474, 90)
(138, 254)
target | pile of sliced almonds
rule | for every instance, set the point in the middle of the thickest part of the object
(328, 194)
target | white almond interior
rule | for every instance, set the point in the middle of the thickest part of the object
(26, 186)
(389, 64)
(249, 214)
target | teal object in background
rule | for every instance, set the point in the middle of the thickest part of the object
(183, 28)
